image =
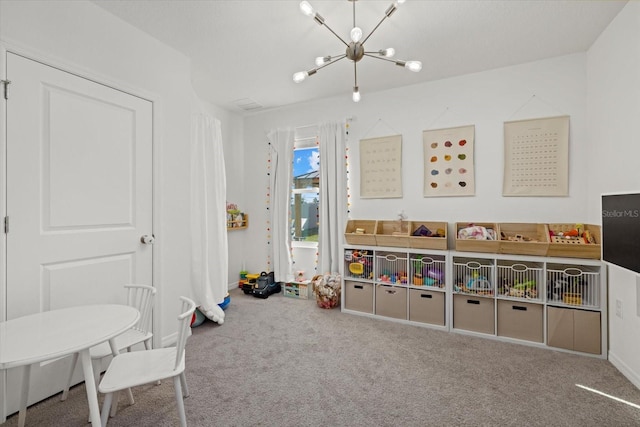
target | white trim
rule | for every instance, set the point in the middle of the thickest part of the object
(304, 244)
(3, 213)
(624, 369)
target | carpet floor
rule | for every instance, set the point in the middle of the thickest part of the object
(286, 362)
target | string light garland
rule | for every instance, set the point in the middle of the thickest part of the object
(268, 203)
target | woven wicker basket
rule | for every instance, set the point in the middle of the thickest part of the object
(326, 288)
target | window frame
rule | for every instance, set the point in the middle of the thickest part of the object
(304, 140)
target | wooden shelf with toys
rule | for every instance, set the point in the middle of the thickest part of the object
(236, 219)
(542, 301)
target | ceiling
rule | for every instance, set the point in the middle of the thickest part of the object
(245, 52)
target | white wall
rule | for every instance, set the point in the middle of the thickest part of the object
(485, 99)
(613, 112)
(83, 38)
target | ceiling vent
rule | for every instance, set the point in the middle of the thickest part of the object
(247, 104)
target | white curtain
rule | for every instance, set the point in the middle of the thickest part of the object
(209, 253)
(333, 196)
(280, 180)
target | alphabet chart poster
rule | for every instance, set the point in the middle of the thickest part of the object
(381, 167)
(448, 161)
(536, 157)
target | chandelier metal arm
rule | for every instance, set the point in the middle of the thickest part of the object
(374, 29)
(333, 61)
(334, 33)
(395, 61)
(355, 74)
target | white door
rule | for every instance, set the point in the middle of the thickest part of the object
(79, 198)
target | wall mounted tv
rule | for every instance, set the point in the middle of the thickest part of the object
(621, 230)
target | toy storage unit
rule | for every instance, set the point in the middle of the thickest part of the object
(534, 300)
(301, 290)
(408, 285)
(541, 301)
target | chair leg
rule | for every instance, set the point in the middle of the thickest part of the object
(65, 392)
(130, 396)
(183, 381)
(106, 406)
(178, 390)
(147, 345)
(114, 406)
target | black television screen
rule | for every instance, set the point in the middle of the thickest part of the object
(621, 230)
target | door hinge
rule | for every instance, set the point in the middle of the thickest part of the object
(6, 84)
(6, 224)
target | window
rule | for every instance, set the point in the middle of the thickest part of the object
(305, 190)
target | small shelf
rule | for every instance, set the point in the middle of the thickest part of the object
(238, 224)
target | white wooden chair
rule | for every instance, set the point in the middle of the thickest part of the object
(143, 367)
(140, 297)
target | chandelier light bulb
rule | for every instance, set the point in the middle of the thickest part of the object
(356, 34)
(321, 60)
(414, 66)
(387, 53)
(356, 94)
(307, 9)
(300, 76)
(400, 1)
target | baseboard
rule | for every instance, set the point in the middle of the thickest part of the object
(624, 369)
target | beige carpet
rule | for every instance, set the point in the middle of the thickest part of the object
(286, 362)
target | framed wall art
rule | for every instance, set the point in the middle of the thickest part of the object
(448, 161)
(536, 157)
(381, 167)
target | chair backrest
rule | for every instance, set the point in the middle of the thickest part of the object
(184, 328)
(141, 297)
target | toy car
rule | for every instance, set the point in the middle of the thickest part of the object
(266, 285)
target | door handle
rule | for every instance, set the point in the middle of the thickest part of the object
(147, 240)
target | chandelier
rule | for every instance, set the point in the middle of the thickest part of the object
(355, 50)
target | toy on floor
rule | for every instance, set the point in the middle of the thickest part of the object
(216, 315)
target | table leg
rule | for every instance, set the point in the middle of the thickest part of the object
(24, 396)
(90, 385)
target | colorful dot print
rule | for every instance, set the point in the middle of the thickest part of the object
(448, 155)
